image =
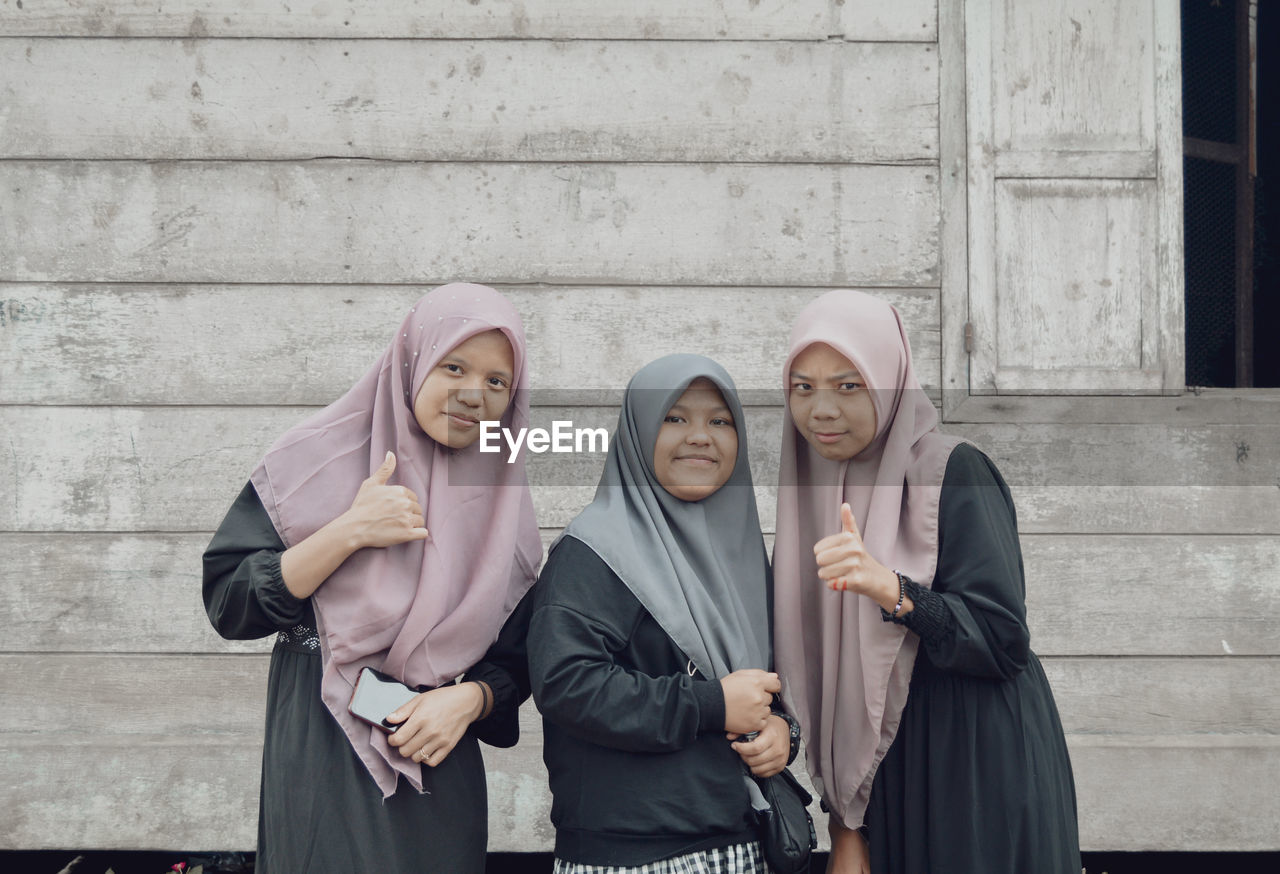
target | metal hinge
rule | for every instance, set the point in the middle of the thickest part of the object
(968, 337)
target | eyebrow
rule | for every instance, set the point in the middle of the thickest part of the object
(722, 408)
(846, 375)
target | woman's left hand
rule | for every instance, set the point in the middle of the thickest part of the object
(432, 723)
(767, 754)
(845, 564)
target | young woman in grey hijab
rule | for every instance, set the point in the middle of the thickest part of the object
(649, 641)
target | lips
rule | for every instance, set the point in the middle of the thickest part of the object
(458, 420)
(827, 436)
(698, 460)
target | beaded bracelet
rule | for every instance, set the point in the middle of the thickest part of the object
(902, 594)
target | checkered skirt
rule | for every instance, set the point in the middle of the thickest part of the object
(736, 859)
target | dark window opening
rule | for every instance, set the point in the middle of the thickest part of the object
(1231, 207)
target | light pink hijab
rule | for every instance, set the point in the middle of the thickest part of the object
(423, 611)
(844, 670)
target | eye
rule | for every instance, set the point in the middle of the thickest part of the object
(801, 386)
(673, 419)
(496, 382)
(723, 422)
(850, 386)
(451, 367)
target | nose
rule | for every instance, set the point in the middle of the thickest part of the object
(471, 395)
(698, 436)
(824, 405)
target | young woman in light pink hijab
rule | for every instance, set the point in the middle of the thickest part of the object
(900, 625)
(375, 534)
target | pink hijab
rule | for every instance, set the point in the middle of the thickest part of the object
(844, 670)
(423, 611)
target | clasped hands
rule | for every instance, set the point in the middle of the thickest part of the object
(748, 695)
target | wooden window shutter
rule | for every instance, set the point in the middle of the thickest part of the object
(1074, 161)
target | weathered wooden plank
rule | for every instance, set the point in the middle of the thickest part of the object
(145, 695)
(1198, 793)
(905, 20)
(177, 468)
(952, 161)
(1084, 82)
(1154, 596)
(469, 101)
(108, 593)
(442, 19)
(351, 221)
(1166, 696)
(1196, 407)
(240, 345)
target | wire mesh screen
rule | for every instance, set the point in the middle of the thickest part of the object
(1209, 210)
(1209, 70)
(1209, 113)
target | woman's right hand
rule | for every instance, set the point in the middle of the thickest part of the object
(383, 515)
(380, 515)
(747, 696)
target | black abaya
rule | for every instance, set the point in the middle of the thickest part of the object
(320, 811)
(978, 780)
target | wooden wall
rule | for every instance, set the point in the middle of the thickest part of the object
(214, 211)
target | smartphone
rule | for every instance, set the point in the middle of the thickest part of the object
(376, 697)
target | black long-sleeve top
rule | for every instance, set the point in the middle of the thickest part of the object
(634, 739)
(246, 598)
(974, 619)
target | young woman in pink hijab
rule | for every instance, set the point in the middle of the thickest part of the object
(375, 534)
(900, 623)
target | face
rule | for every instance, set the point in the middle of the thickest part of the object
(697, 445)
(471, 384)
(830, 403)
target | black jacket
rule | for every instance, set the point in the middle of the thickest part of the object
(635, 745)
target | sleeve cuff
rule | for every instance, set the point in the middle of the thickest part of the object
(710, 697)
(931, 618)
(281, 606)
(505, 694)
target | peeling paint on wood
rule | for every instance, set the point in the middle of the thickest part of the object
(349, 221)
(226, 344)
(471, 101)
(362, 19)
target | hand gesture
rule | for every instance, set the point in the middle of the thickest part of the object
(747, 696)
(434, 722)
(384, 515)
(766, 755)
(845, 564)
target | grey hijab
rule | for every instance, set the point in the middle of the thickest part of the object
(699, 568)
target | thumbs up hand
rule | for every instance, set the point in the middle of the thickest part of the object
(845, 565)
(383, 515)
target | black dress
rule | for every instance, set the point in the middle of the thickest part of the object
(319, 809)
(978, 778)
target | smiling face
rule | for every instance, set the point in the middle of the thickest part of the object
(830, 403)
(697, 445)
(471, 384)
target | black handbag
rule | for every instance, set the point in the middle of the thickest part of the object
(786, 831)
